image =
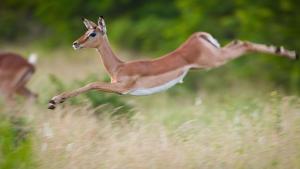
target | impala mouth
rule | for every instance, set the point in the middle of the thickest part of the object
(76, 47)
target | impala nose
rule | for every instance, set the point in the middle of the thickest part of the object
(75, 45)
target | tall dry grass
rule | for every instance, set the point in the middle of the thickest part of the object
(232, 129)
(73, 137)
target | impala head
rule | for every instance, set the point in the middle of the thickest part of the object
(93, 36)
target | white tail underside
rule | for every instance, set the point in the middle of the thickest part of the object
(32, 58)
(213, 41)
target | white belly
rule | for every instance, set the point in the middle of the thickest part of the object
(156, 89)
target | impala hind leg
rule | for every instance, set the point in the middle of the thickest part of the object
(106, 87)
(9, 99)
(238, 48)
(23, 91)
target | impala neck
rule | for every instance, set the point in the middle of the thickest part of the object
(110, 60)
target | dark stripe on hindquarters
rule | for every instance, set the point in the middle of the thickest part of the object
(26, 76)
(205, 38)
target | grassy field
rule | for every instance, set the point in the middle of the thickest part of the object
(244, 126)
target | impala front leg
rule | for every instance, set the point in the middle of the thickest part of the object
(106, 87)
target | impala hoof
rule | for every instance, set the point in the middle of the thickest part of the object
(62, 100)
(51, 106)
(52, 102)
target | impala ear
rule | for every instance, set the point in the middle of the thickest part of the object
(89, 24)
(101, 25)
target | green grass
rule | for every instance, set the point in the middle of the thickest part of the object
(16, 150)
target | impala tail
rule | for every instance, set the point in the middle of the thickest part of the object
(33, 58)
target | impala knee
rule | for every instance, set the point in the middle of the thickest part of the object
(248, 46)
(91, 86)
(236, 42)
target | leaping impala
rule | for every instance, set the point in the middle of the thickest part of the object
(145, 77)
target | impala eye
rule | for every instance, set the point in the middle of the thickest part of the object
(93, 34)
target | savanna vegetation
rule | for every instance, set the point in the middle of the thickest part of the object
(245, 114)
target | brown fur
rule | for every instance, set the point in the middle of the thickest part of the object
(15, 72)
(196, 52)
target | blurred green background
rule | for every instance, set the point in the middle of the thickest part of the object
(241, 115)
(159, 26)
